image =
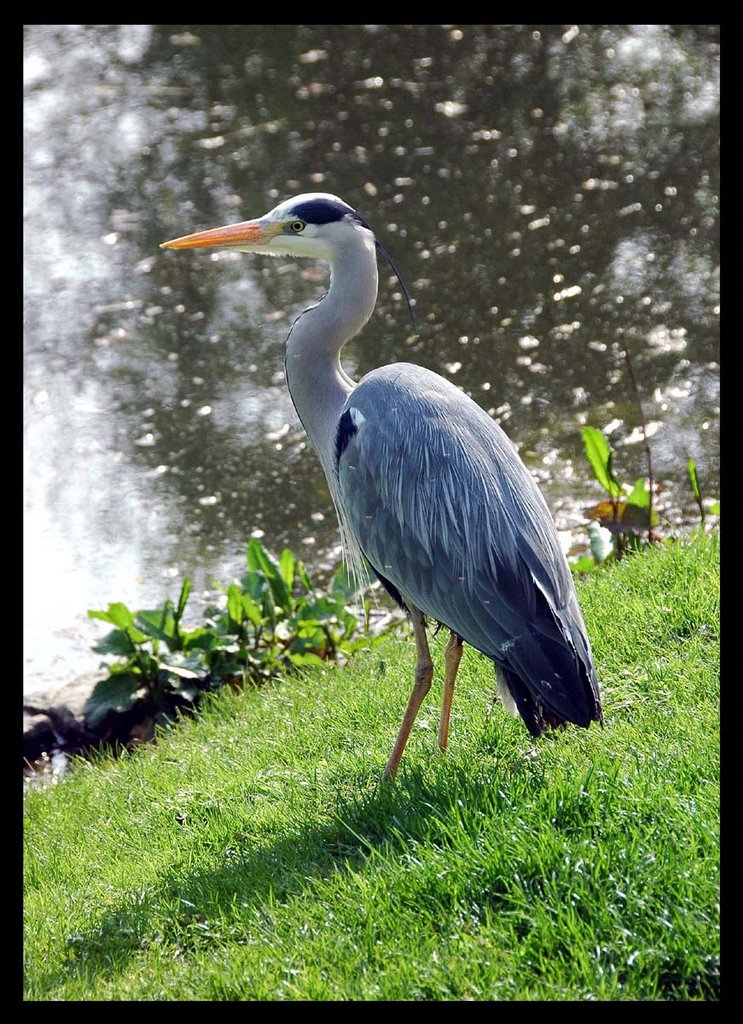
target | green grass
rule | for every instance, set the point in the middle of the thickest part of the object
(253, 854)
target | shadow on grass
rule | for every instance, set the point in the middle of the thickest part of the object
(229, 893)
(188, 907)
(232, 888)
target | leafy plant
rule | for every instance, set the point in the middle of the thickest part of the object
(628, 512)
(271, 620)
(146, 672)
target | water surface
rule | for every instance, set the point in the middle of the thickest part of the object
(550, 195)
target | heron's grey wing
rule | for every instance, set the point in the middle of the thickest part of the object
(443, 509)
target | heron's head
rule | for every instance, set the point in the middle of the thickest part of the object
(315, 224)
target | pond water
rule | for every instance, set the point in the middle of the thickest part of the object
(549, 194)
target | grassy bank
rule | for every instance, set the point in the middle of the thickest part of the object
(252, 853)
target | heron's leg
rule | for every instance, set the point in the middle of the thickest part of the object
(452, 657)
(423, 676)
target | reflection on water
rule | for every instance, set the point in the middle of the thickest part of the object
(549, 194)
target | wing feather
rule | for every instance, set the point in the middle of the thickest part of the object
(443, 508)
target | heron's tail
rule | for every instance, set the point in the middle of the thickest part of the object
(550, 683)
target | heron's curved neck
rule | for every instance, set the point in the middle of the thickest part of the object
(318, 384)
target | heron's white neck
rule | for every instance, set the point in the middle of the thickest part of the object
(318, 384)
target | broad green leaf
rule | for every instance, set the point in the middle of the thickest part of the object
(269, 609)
(600, 456)
(282, 597)
(116, 693)
(125, 622)
(97, 613)
(281, 592)
(151, 623)
(199, 639)
(254, 583)
(116, 642)
(287, 564)
(259, 559)
(304, 577)
(235, 603)
(693, 477)
(117, 614)
(252, 609)
(715, 508)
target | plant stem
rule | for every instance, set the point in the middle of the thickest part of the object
(648, 454)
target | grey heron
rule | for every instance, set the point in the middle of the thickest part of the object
(430, 493)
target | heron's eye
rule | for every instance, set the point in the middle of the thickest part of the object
(297, 225)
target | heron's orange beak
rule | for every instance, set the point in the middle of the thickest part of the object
(247, 233)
